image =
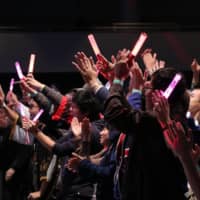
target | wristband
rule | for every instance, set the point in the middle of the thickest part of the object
(136, 91)
(118, 81)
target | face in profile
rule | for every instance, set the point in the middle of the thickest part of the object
(104, 136)
(33, 108)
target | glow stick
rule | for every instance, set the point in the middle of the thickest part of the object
(172, 85)
(31, 63)
(19, 70)
(37, 116)
(94, 44)
(11, 84)
(142, 38)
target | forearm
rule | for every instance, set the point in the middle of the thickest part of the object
(52, 94)
(192, 174)
(45, 140)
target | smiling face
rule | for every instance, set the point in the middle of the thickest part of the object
(104, 136)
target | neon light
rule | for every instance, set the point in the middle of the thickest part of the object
(172, 85)
(31, 63)
(138, 45)
(19, 70)
(37, 116)
(11, 84)
(94, 44)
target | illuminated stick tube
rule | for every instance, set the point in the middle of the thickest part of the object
(31, 63)
(37, 116)
(11, 84)
(19, 70)
(138, 45)
(171, 86)
(94, 44)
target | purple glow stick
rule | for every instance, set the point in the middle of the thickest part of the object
(11, 84)
(19, 70)
(37, 116)
(172, 85)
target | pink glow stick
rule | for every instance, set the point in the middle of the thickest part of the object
(142, 38)
(31, 63)
(19, 70)
(172, 85)
(37, 116)
(11, 84)
(94, 44)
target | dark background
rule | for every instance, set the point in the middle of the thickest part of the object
(56, 30)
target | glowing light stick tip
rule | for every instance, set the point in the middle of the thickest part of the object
(171, 86)
(94, 44)
(31, 63)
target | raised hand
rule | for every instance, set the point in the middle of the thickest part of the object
(33, 83)
(136, 77)
(105, 67)
(2, 95)
(177, 140)
(76, 127)
(151, 62)
(12, 99)
(9, 174)
(196, 71)
(161, 107)
(73, 163)
(86, 67)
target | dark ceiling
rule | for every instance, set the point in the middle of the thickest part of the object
(86, 13)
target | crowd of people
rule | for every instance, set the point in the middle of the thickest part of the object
(121, 140)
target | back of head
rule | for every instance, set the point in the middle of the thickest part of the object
(87, 103)
(178, 100)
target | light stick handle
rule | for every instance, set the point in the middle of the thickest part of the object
(11, 84)
(31, 63)
(94, 44)
(171, 86)
(19, 70)
(37, 116)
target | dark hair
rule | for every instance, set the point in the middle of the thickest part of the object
(87, 103)
(178, 100)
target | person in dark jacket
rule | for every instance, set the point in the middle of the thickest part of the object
(103, 171)
(152, 168)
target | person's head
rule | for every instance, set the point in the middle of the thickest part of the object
(179, 99)
(4, 119)
(33, 107)
(108, 135)
(84, 104)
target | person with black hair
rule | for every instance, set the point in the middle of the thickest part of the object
(152, 168)
(83, 105)
(102, 171)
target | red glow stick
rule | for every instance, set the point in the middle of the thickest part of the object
(31, 63)
(94, 44)
(19, 70)
(11, 84)
(138, 45)
(37, 116)
(172, 85)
